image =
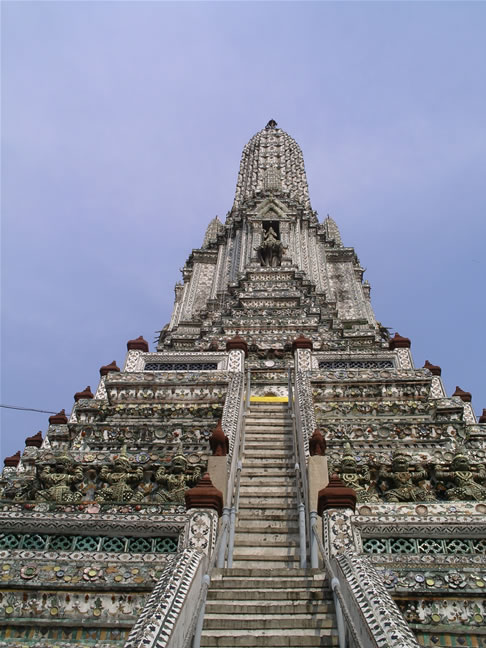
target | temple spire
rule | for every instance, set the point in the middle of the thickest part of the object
(272, 160)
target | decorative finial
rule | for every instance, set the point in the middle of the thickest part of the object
(271, 124)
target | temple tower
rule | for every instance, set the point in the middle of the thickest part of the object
(277, 439)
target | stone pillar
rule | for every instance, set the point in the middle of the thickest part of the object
(336, 504)
(255, 240)
(466, 397)
(302, 350)
(338, 533)
(136, 349)
(402, 346)
(238, 351)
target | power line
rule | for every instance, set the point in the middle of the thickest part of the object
(27, 409)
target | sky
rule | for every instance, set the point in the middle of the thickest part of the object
(122, 130)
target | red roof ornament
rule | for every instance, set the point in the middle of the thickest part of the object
(239, 343)
(106, 369)
(435, 370)
(482, 418)
(317, 444)
(219, 442)
(399, 342)
(335, 496)
(463, 395)
(86, 393)
(13, 461)
(138, 345)
(34, 441)
(302, 342)
(204, 496)
(58, 419)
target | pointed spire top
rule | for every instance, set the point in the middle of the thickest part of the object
(213, 229)
(332, 231)
(272, 151)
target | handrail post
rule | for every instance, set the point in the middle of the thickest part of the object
(196, 641)
(339, 614)
(224, 541)
(289, 390)
(313, 540)
(248, 388)
(303, 556)
(231, 540)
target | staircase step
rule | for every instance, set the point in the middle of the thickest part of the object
(265, 480)
(271, 424)
(272, 583)
(267, 526)
(282, 443)
(262, 454)
(258, 622)
(270, 607)
(267, 562)
(250, 490)
(272, 505)
(254, 638)
(267, 471)
(265, 553)
(271, 421)
(301, 572)
(265, 594)
(275, 499)
(263, 540)
(267, 515)
(257, 463)
(268, 438)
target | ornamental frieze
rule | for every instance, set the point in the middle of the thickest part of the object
(75, 569)
(18, 606)
(122, 393)
(61, 480)
(110, 437)
(393, 429)
(378, 408)
(448, 614)
(155, 411)
(403, 479)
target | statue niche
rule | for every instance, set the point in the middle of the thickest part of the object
(271, 250)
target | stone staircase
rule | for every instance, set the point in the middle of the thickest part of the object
(266, 599)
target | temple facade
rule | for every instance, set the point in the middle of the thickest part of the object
(276, 472)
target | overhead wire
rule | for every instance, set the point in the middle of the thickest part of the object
(27, 409)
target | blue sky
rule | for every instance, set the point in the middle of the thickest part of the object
(122, 129)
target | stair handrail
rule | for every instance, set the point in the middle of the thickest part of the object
(223, 549)
(300, 467)
(198, 617)
(233, 485)
(342, 611)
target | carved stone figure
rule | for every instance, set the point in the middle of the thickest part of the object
(271, 250)
(357, 478)
(176, 481)
(400, 484)
(20, 489)
(460, 482)
(123, 480)
(60, 481)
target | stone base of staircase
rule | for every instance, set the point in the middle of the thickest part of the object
(269, 607)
